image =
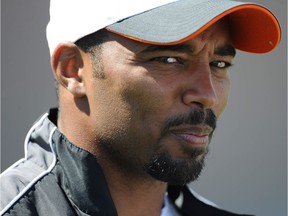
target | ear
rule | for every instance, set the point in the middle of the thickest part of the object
(67, 64)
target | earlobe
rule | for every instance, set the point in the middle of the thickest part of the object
(67, 65)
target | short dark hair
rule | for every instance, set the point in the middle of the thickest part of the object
(92, 44)
(92, 41)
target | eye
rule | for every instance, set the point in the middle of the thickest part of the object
(220, 64)
(168, 60)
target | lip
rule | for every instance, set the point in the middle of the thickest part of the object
(193, 135)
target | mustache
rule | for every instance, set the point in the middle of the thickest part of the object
(194, 117)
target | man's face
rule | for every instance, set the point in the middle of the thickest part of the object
(154, 112)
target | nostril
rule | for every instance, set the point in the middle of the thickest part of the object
(202, 99)
(198, 105)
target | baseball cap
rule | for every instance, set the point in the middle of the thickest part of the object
(163, 22)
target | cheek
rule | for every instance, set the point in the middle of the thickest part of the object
(145, 99)
(129, 106)
(223, 91)
(109, 116)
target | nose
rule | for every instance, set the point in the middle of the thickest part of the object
(200, 90)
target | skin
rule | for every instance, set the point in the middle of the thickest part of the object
(120, 118)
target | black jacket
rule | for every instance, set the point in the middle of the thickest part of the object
(59, 178)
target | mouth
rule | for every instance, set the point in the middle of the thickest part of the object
(196, 136)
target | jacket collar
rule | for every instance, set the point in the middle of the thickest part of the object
(80, 176)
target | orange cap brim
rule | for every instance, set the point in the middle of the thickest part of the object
(253, 29)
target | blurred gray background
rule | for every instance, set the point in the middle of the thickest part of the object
(246, 169)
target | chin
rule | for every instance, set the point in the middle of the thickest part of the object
(179, 171)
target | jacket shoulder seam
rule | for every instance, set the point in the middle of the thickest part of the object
(38, 177)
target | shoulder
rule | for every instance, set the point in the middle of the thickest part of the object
(16, 180)
(37, 162)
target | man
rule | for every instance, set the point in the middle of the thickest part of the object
(140, 85)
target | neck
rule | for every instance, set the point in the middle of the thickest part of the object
(135, 196)
(73, 121)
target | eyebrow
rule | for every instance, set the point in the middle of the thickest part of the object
(226, 50)
(175, 48)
